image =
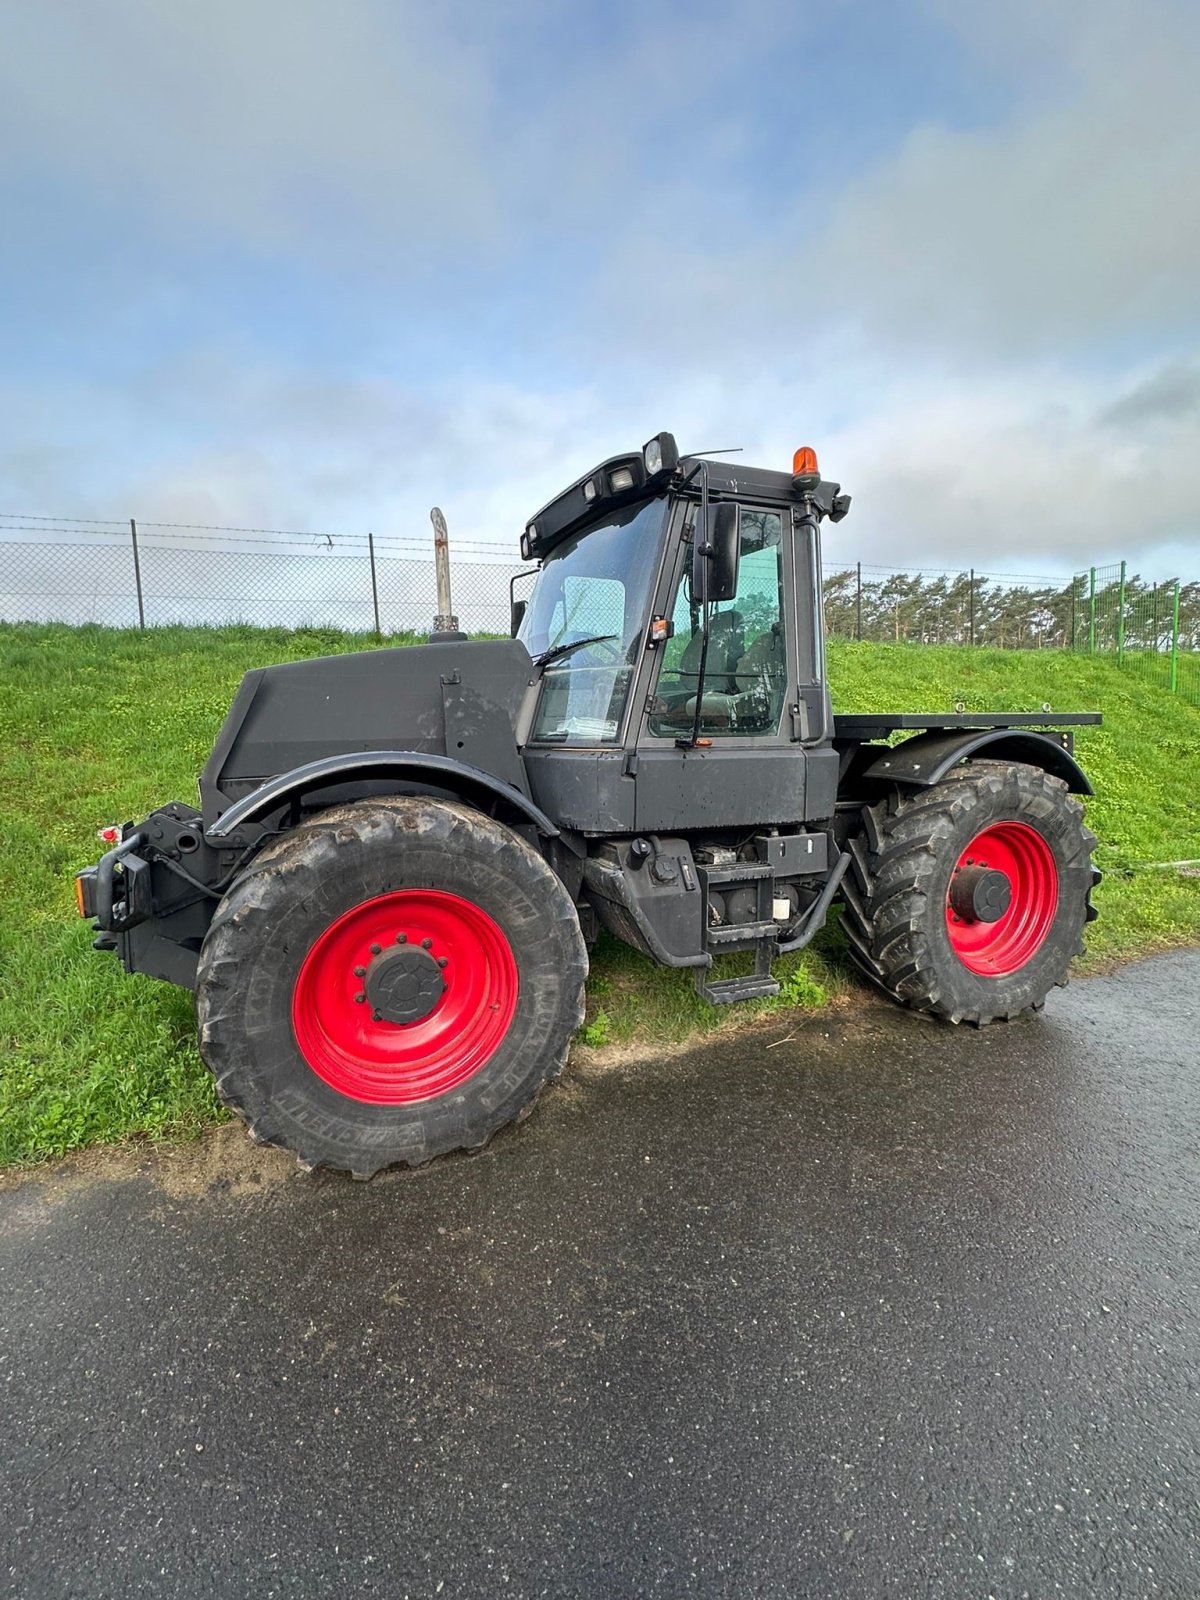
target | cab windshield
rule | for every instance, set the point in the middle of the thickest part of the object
(592, 592)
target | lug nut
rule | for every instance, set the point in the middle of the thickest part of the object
(359, 998)
(426, 944)
(376, 949)
(377, 1016)
(360, 972)
(401, 938)
(442, 960)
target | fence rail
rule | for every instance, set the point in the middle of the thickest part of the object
(132, 573)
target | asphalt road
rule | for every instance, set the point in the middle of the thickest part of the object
(878, 1309)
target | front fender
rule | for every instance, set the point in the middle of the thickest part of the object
(925, 760)
(470, 782)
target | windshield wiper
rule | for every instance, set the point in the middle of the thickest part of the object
(565, 649)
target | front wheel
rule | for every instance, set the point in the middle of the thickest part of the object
(394, 980)
(969, 899)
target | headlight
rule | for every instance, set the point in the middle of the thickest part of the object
(621, 479)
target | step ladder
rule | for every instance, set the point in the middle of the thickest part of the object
(761, 935)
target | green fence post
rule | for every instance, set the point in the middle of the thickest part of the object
(1175, 641)
(1121, 619)
(1091, 610)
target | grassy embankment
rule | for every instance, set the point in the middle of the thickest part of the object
(99, 725)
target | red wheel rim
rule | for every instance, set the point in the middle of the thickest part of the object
(411, 940)
(994, 949)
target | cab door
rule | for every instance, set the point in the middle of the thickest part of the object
(750, 772)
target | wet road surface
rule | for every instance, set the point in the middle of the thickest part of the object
(881, 1309)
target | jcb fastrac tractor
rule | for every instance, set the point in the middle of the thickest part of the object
(401, 857)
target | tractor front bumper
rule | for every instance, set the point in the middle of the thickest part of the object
(151, 897)
(116, 893)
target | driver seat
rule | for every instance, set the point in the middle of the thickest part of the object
(726, 644)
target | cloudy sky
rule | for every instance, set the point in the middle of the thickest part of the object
(315, 265)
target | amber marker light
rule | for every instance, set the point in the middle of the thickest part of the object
(805, 472)
(79, 896)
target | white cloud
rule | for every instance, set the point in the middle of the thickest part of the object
(1080, 221)
(375, 134)
(1071, 222)
(284, 123)
(1020, 474)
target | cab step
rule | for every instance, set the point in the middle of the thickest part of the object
(743, 932)
(724, 991)
(757, 985)
(740, 872)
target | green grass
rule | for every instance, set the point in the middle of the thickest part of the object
(101, 725)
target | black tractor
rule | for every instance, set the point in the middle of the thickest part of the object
(401, 858)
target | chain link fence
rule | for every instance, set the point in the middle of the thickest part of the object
(146, 574)
(149, 574)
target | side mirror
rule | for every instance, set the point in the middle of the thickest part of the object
(715, 554)
(517, 616)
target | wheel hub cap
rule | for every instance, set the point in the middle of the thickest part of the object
(980, 894)
(403, 985)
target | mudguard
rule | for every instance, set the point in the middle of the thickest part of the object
(926, 760)
(467, 781)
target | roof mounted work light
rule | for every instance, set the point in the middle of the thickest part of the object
(661, 454)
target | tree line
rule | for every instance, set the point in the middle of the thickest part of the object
(966, 608)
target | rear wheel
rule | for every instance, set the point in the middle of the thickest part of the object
(969, 899)
(392, 981)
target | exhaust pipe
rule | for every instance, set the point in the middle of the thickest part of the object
(445, 623)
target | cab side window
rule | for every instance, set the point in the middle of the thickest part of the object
(745, 675)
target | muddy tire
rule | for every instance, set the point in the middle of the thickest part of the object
(969, 899)
(392, 981)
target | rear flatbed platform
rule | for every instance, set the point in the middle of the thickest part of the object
(859, 726)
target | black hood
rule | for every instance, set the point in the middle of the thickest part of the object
(459, 699)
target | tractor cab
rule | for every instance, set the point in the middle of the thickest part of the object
(674, 619)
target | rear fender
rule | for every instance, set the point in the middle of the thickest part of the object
(923, 761)
(469, 783)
